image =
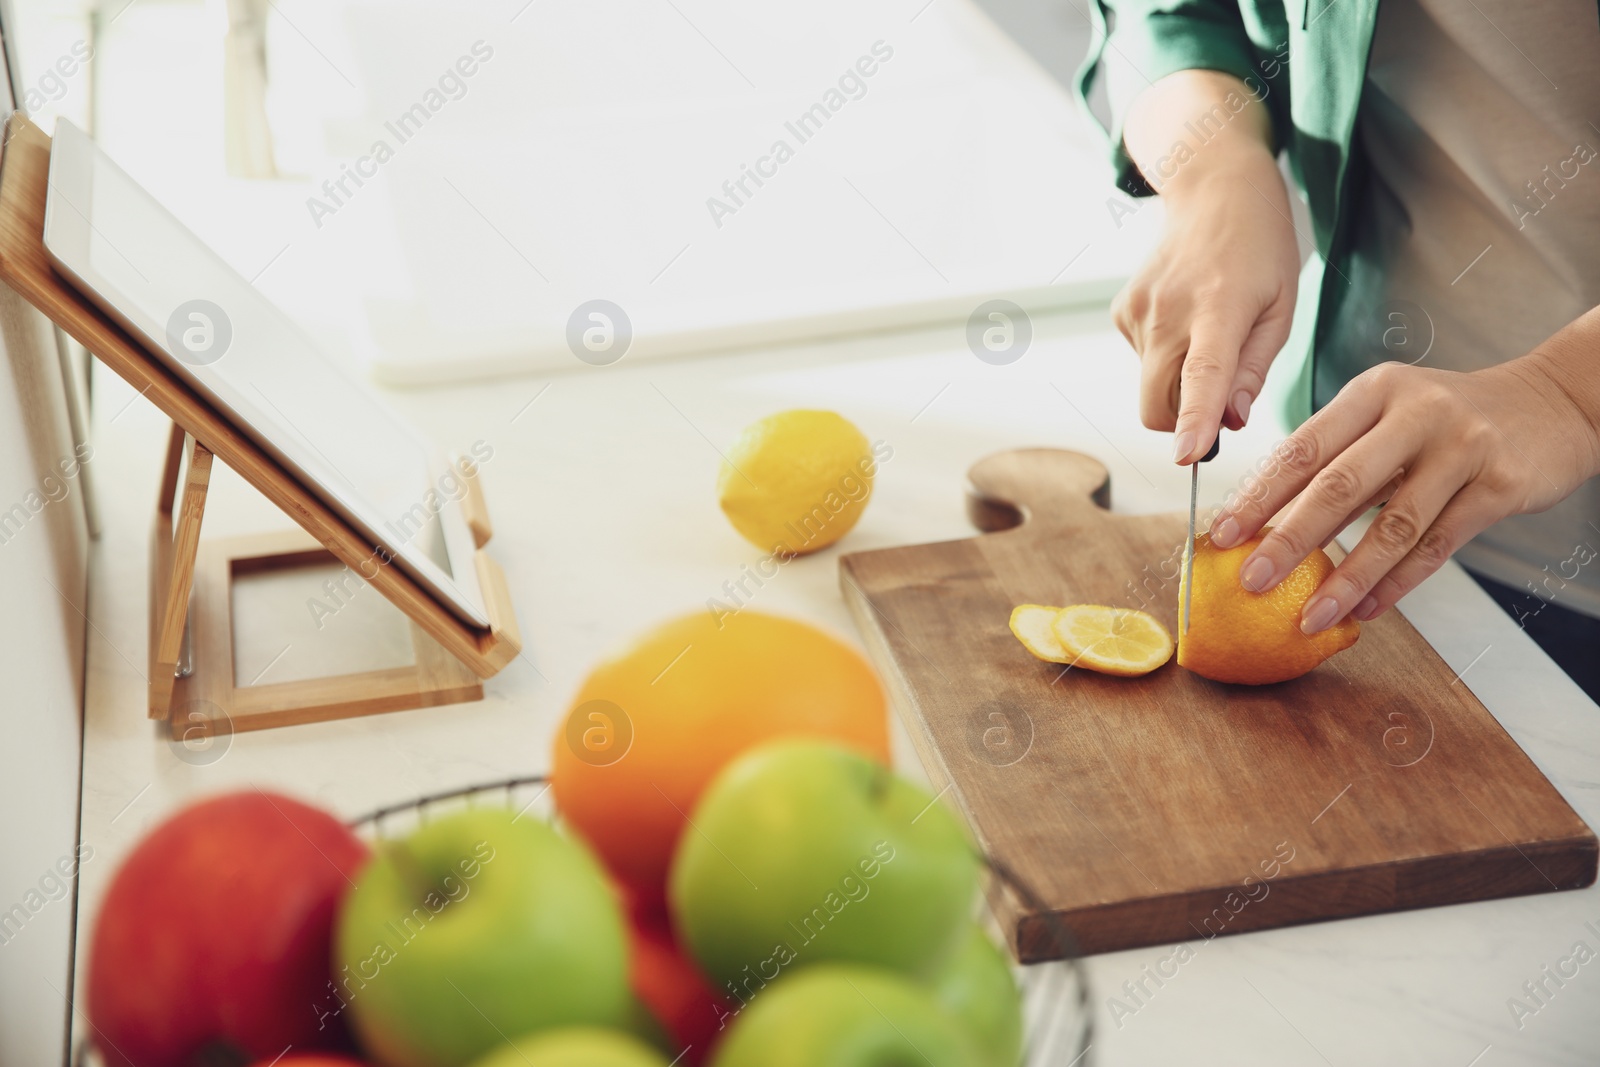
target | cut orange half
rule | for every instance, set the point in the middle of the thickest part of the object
(1032, 623)
(1118, 641)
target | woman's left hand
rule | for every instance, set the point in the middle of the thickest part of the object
(1451, 453)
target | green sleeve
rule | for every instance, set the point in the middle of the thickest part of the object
(1159, 37)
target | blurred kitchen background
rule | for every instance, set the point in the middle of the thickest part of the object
(580, 156)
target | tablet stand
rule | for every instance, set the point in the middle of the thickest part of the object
(192, 678)
(191, 669)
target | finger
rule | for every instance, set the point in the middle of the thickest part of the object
(1371, 502)
(1159, 364)
(1469, 513)
(1391, 537)
(1255, 357)
(1293, 463)
(1207, 372)
(1348, 480)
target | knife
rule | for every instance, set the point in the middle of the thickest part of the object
(1188, 545)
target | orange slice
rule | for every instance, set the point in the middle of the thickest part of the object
(1118, 641)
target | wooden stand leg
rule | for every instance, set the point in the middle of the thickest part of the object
(192, 682)
(174, 543)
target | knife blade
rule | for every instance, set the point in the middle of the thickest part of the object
(1188, 544)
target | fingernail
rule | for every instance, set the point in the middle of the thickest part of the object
(1241, 405)
(1257, 574)
(1319, 615)
(1366, 609)
(1225, 532)
(1182, 446)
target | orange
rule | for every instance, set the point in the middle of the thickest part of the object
(1254, 638)
(654, 723)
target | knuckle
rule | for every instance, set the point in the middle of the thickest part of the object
(1277, 332)
(1249, 378)
(1158, 303)
(1122, 308)
(1434, 391)
(1479, 436)
(1254, 489)
(1383, 377)
(1502, 479)
(1432, 549)
(1391, 588)
(1285, 543)
(1339, 487)
(1132, 304)
(1346, 585)
(1125, 328)
(1296, 454)
(1202, 363)
(1395, 530)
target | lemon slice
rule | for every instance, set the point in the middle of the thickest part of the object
(1118, 641)
(1032, 623)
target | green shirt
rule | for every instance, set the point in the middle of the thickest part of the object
(1307, 61)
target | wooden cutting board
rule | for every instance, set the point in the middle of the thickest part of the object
(1168, 808)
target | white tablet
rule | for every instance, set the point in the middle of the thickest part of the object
(209, 325)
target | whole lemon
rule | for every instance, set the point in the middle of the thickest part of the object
(796, 481)
(654, 723)
(1254, 638)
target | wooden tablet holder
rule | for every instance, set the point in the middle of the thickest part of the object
(191, 668)
(193, 683)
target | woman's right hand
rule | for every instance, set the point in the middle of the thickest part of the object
(1213, 305)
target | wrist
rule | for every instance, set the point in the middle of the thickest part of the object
(1194, 127)
(1568, 403)
(1221, 171)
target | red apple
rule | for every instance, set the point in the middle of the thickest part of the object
(672, 987)
(216, 934)
(310, 1059)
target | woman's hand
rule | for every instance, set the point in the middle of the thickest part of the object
(1451, 453)
(1213, 305)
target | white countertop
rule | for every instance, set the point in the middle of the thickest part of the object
(602, 497)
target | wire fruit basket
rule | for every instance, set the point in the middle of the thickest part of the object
(1057, 1010)
(1057, 1015)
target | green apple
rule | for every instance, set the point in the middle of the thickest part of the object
(578, 1046)
(801, 852)
(846, 1015)
(478, 925)
(640, 1023)
(976, 988)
